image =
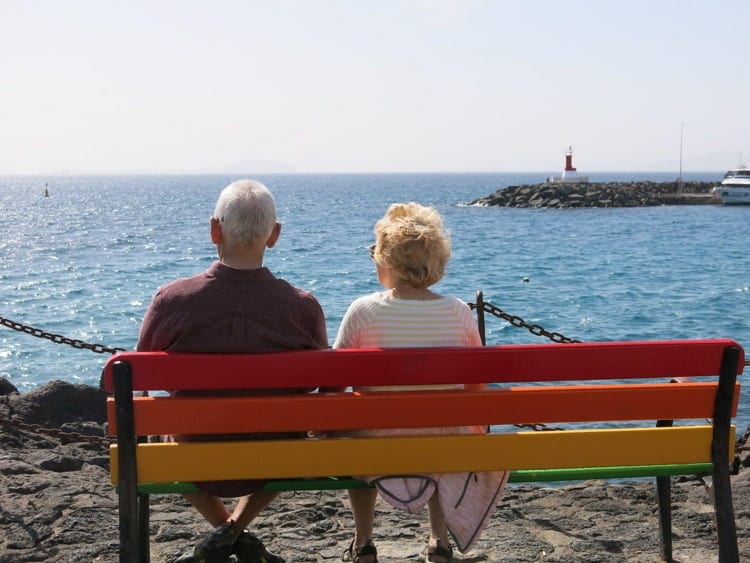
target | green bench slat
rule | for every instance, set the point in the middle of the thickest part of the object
(524, 476)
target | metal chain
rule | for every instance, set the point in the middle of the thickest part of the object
(517, 321)
(58, 338)
(535, 329)
(65, 437)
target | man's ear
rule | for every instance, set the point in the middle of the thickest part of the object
(217, 236)
(274, 236)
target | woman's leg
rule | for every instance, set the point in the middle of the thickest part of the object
(362, 502)
(438, 529)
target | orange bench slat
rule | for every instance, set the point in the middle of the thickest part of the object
(344, 411)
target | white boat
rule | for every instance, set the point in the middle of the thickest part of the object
(735, 187)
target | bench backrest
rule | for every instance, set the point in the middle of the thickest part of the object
(646, 391)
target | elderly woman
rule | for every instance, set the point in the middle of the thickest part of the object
(410, 252)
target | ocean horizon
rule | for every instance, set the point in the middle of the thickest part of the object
(85, 261)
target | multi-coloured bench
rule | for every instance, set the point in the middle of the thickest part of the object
(619, 403)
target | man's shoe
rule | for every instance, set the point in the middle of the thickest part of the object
(217, 546)
(249, 549)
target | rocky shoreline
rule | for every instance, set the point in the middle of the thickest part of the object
(57, 505)
(600, 194)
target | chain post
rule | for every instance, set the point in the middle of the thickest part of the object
(514, 320)
(480, 317)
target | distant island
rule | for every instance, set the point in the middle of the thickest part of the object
(255, 166)
(600, 194)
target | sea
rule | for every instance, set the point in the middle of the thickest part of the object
(85, 261)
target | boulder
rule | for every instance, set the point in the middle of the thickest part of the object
(7, 388)
(60, 402)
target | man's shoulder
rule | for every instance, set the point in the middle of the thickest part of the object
(283, 285)
(184, 286)
(299, 292)
(368, 304)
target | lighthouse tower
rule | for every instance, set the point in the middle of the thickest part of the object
(570, 174)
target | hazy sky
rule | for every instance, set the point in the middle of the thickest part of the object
(382, 86)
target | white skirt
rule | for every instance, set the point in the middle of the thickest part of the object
(467, 499)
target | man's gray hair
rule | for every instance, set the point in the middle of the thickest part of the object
(247, 212)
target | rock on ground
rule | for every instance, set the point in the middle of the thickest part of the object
(57, 505)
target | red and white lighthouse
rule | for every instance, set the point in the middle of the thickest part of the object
(569, 174)
(569, 160)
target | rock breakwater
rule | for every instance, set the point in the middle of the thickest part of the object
(600, 194)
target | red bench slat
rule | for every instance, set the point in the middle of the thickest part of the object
(511, 363)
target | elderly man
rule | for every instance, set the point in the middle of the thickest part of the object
(235, 306)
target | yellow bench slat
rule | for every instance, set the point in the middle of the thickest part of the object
(279, 459)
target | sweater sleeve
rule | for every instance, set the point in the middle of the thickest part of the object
(354, 322)
(320, 332)
(152, 337)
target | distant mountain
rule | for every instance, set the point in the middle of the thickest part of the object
(254, 167)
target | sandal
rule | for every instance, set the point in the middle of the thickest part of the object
(353, 554)
(438, 553)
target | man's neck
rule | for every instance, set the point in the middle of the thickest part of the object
(241, 257)
(241, 264)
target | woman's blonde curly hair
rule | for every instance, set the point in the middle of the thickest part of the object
(411, 241)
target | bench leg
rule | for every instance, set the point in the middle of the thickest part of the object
(725, 524)
(128, 526)
(664, 499)
(126, 446)
(144, 545)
